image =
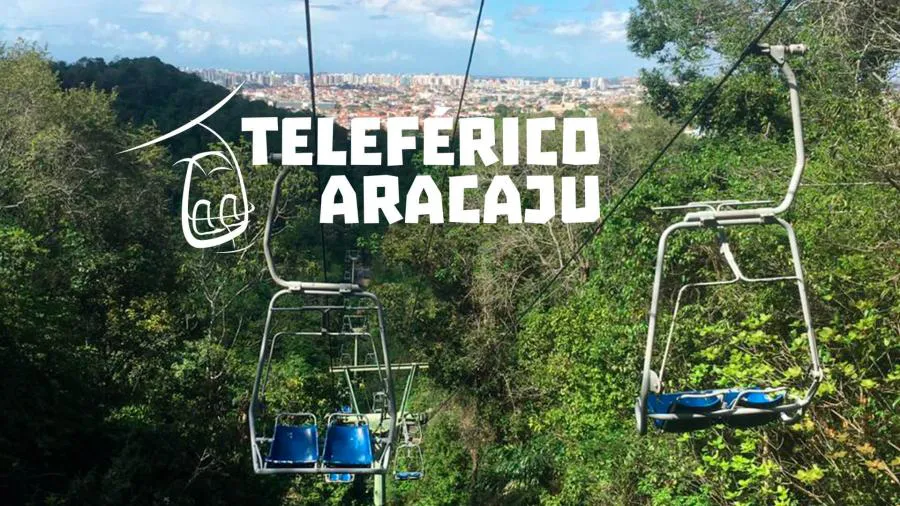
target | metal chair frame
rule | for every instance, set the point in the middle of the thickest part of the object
(316, 290)
(408, 451)
(721, 215)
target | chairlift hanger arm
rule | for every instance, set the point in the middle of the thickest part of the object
(316, 288)
(778, 54)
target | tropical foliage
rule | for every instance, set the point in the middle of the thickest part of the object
(128, 355)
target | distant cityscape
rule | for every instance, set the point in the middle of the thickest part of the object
(348, 95)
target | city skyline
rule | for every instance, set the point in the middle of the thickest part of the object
(533, 38)
(304, 74)
(346, 96)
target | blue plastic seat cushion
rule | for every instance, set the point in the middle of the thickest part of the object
(294, 446)
(408, 475)
(348, 445)
(761, 400)
(678, 403)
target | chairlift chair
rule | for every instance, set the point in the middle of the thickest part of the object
(355, 322)
(410, 463)
(348, 442)
(294, 445)
(411, 429)
(379, 402)
(741, 407)
(349, 447)
(345, 358)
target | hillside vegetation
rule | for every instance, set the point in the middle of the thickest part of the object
(128, 356)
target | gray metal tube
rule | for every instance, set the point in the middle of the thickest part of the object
(388, 381)
(254, 396)
(804, 302)
(267, 236)
(799, 151)
(799, 163)
(654, 307)
(267, 249)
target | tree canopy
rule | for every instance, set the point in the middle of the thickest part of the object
(129, 356)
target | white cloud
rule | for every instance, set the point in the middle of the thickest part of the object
(194, 39)
(320, 13)
(112, 35)
(11, 34)
(155, 41)
(266, 45)
(523, 11)
(340, 51)
(390, 57)
(197, 40)
(536, 52)
(458, 27)
(569, 28)
(375, 4)
(419, 6)
(444, 19)
(158, 6)
(207, 11)
(610, 26)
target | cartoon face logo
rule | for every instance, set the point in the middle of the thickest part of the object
(202, 228)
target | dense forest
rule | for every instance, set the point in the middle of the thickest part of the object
(128, 356)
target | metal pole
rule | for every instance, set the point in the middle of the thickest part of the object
(378, 493)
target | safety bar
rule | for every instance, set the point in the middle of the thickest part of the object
(322, 308)
(764, 391)
(371, 368)
(712, 205)
(725, 249)
(700, 395)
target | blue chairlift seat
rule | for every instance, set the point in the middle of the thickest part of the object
(705, 401)
(294, 446)
(408, 475)
(339, 478)
(679, 404)
(347, 445)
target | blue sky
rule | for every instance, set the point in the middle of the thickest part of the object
(518, 38)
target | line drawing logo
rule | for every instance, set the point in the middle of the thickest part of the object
(205, 230)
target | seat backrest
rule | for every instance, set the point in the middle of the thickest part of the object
(297, 444)
(348, 445)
